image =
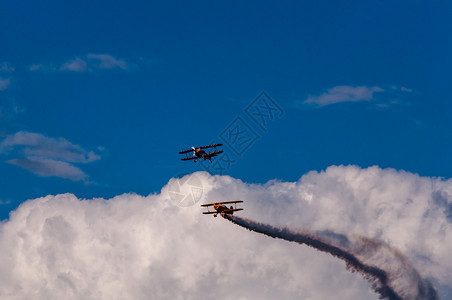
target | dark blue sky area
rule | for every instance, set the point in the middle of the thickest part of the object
(136, 82)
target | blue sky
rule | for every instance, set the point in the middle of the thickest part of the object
(97, 99)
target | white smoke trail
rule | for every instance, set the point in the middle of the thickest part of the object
(391, 274)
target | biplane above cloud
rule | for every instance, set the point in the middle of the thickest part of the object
(221, 208)
(199, 153)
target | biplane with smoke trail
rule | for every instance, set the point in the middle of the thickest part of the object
(199, 153)
(221, 208)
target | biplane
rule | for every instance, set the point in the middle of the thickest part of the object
(199, 153)
(221, 208)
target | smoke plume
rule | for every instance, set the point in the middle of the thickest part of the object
(395, 278)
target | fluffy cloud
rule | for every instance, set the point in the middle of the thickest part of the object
(40, 67)
(344, 94)
(49, 167)
(6, 67)
(76, 65)
(86, 63)
(46, 156)
(36, 144)
(135, 247)
(387, 97)
(106, 61)
(405, 89)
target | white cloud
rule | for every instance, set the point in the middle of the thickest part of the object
(46, 156)
(36, 67)
(344, 93)
(388, 97)
(49, 167)
(76, 65)
(134, 247)
(85, 63)
(38, 145)
(405, 89)
(6, 67)
(402, 89)
(42, 68)
(106, 61)
(4, 83)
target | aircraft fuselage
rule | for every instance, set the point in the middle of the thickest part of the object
(200, 153)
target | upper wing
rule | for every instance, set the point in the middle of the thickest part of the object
(186, 151)
(189, 158)
(202, 147)
(212, 154)
(227, 202)
(211, 146)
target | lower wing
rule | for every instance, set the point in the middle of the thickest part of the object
(229, 210)
(188, 158)
(186, 151)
